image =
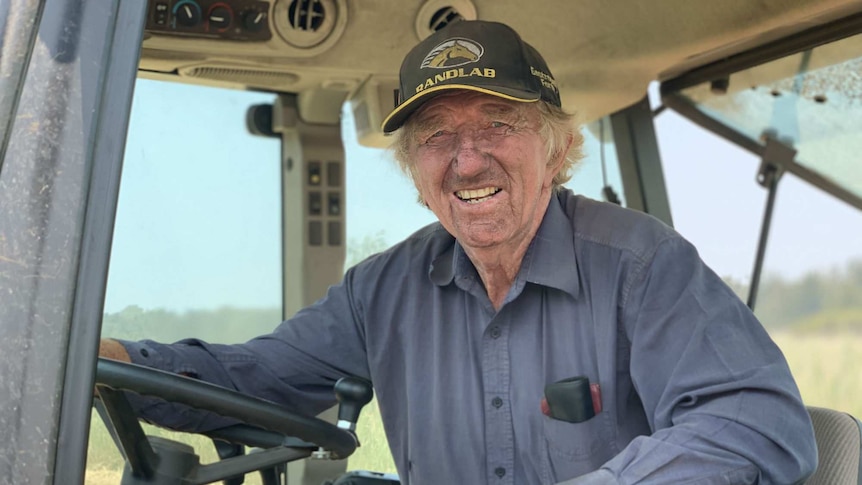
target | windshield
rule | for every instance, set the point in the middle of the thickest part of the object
(811, 101)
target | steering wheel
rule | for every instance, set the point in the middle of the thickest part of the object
(287, 436)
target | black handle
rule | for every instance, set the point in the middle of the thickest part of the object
(353, 394)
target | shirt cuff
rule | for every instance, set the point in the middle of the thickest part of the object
(142, 354)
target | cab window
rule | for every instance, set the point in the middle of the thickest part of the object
(197, 240)
(810, 292)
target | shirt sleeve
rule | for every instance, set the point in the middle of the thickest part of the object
(296, 365)
(717, 392)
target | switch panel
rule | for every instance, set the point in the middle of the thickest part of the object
(237, 20)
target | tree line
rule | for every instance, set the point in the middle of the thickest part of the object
(820, 301)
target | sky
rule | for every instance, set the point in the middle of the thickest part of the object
(198, 216)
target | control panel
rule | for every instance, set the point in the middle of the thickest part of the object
(324, 203)
(244, 20)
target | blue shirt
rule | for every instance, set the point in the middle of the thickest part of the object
(693, 390)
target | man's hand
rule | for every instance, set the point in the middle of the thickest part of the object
(111, 349)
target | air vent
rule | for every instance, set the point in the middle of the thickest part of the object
(310, 24)
(436, 14)
(444, 17)
(306, 15)
(248, 77)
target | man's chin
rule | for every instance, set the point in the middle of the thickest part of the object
(474, 238)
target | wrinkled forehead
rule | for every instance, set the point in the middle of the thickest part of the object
(456, 103)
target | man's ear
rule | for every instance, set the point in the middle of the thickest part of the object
(555, 164)
(411, 173)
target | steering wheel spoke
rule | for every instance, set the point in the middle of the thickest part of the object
(127, 432)
(239, 465)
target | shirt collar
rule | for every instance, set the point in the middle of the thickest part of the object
(442, 270)
(549, 261)
(453, 262)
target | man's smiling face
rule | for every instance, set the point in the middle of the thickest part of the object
(480, 165)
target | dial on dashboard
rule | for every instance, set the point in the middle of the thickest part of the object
(243, 20)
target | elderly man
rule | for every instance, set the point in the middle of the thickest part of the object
(532, 335)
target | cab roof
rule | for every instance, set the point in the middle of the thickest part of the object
(603, 53)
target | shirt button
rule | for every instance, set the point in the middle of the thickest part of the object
(495, 332)
(496, 402)
(500, 471)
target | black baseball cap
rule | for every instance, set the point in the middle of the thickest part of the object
(477, 55)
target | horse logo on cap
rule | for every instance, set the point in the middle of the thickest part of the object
(453, 53)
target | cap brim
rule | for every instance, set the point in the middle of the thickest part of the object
(403, 111)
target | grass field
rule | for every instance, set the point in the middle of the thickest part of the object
(826, 367)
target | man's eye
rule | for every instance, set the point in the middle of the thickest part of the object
(499, 124)
(436, 135)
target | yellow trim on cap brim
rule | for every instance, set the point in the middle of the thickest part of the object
(425, 92)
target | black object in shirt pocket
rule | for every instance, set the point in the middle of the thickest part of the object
(574, 399)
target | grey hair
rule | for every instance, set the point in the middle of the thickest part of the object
(555, 127)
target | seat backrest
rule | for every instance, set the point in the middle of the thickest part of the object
(839, 446)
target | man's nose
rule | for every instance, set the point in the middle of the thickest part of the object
(471, 155)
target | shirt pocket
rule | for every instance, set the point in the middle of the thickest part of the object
(577, 448)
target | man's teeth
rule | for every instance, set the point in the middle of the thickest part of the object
(478, 195)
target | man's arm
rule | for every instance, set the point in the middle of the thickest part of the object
(296, 365)
(721, 401)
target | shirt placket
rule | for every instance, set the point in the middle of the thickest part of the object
(499, 434)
